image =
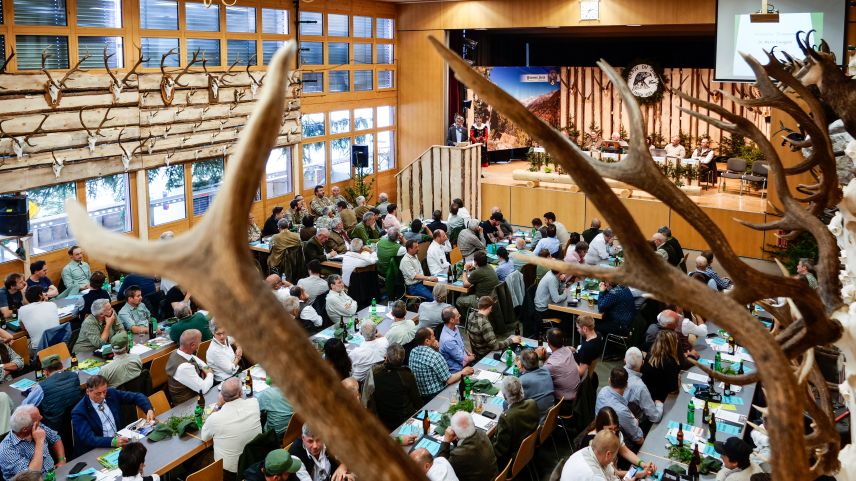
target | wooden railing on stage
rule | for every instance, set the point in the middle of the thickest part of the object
(436, 177)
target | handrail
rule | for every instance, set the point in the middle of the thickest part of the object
(402, 169)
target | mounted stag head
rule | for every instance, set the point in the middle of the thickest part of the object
(217, 81)
(53, 89)
(92, 137)
(126, 156)
(117, 85)
(166, 131)
(18, 142)
(239, 95)
(254, 84)
(6, 61)
(168, 83)
(167, 158)
(57, 165)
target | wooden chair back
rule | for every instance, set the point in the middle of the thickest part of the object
(22, 347)
(504, 473)
(158, 371)
(294, 429)
(212, 472)
(525, 453)
(203, 350)
(549, 422)
(60, 349)
(455, 255)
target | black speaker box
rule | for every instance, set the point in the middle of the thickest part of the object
(360, 156)
(14, 215)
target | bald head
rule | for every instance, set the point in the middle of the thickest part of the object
(423, 458)
(701, 263)
(659, 239)
(190, 340)
(352, 385)
(668, 319)
(231, 389)
(273, 281)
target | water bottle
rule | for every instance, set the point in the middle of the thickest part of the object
(691, 413)
(509, 357)
(468, 387)
(717, 362)
(154, 331)
(199, 411)
(374, 307)
(106, 285)
(130, 340)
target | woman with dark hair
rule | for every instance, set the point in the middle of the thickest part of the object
(132, 461)
(663, 365)
(308, 230)
(337, 355)
(391, 218)
(607, 419)
(270, 228)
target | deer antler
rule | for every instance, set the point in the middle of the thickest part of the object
(124, 150)
(124, 82)
(44, 70)
(103, 121)
(187, 67)
(31, 134)
(6, 61)
(163, 60)
(292, 362)
(74, 69)
(228, 73)
(257, 83)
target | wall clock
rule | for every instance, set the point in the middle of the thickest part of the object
(589, 9)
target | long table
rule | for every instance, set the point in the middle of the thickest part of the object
(364, 314)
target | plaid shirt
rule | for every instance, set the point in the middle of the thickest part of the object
(430, 370)
(721, 283)
(16, 453)
(482, 337)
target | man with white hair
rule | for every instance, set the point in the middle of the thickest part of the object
(470, 239)
(313, 250)
(437, 469)
(339, 303)
(325, 220)
(320, 465)
(28, 444)
(336, 196)
(595, 462)
(601, 248)
(187, 375)
(383, 202)
(305, 312)
(187, 319)
(636, 391)
(358, 256)
(338, 239)
(388, 248)
(700, 273)
(515, 423)
(366, 229)
(232, 426)
(473, 458)
(369, 353)
(361, 207)
(675, 149)
(669, 319)
(98, 328)
(660, 243)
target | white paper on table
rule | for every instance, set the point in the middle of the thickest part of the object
(380, 309)
(65, 311)
(111, 475)
(133, 436)
(733, 387)
(729, 357)
(746, 356)
(482, 422)
(695, 376)
(730, 416)
(493, 377)
(139, 349)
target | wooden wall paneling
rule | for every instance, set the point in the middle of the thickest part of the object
(416, 186)
(445, 199)
(745, 242)
(649, 215)
(528, 203)
(421, 76)
(495, 196)
(456, 177)
(437, 172)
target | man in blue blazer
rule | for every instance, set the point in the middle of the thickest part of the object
(96, 418)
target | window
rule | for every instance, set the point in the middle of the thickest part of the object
(98, 13)
(313, 125)
(363, 53)
(278, 172)
(385, 151)
(29, 51)
(337, 53)
(240, 50)
(154, 48)
(367, 139)
(311, 23)
(166, 194)
(269, 48)
(340, 159)
(314, 164)
(337, 25)
(384, 53)
(95, 46)
(339, 81)
(40, 12)
(312, 53)
(385, 79)
(275, 21)
(206, 179)
(12, 245)
(385, 116)
(340, 121)
(363, 79)
(159, 15)
(48, 221)
(199, 18)
(108, 202)
(241, 19)
(313, 82)
(363, 27)
(385, 28)
(210, 47)
(363, 118)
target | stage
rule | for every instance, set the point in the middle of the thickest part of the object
(521, 203)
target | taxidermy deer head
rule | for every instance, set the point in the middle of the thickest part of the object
(18, 142)
(57, 165)
(254, 84)
(117, 85)
(53, 89)
(168, 83)
(216, 81)
(126, 156)
(92, 137)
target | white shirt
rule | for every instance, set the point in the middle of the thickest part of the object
(598, 250)
(367, 355)
(464, 213)
(583, 466)
(185, 373)
(441, 470)
(37, 317)
(310, 314)
(108, 423)
(355, 260)
(402, 331)
(231, 428)
(314, 286)
(322, 469)
(221, 359)
(436, 257)
(340, 305)
(689, 327)
(562, 234)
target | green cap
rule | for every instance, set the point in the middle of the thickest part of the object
(119, 341)
(48, 360)
(280, 461)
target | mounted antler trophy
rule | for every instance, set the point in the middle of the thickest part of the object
(57, 165)
(19, 142)
(117, 85)
(53, 89)
(126, 156)
(215, 81)
(168, 83)
(254, 84)
(92, 137)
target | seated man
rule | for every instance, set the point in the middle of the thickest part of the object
(337, 238)
(187, 375)
(11, 296)
(470, 240)
(549, 241)
(564, 370)
(56, 394)
(396, 396)
(551, 290)
(473, 458)
(277, 408)
(736, 463)
(349, 218)
(234, 424)
(437, 469)
(451, 342)
(278, 286)
(280, 243)
(591, 344)
(616, 304)
(703, 154)
(313, 285)
(315, 457)
(97, 417)
(75, 274)
(595, 462)
(124, 366)
(135, 316)
(28, 445)
(427, 364)
(314, 247)
(438, 263)
(601, 248)
(516, 422)
(636, 392)
(589, 234)
(701, 274)
(339, 304)
(388, 248)
(505, 266)
(411, 270)
(38, 316)
(402, 330)
(307, 314)
(358, 256)
(492, 228)
(98, 328)
(278, 465)
(480, 331)
(39, 277)
(366, 229)
(431, 313)
(536, 380)
(187, 319)
(370, 352)
(613, 396)
(418, 232)
(362, 207)
(480, 279)
(562, 234)
(317, 204)
(437, 222)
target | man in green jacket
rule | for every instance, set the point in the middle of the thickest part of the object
(518, 421)
(188, 320)
(366, 230)
(98, 328)
(388, 248)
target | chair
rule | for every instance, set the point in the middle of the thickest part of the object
(758, 175)
(73, 339)
(504, 473)
(455, 256)
(158, 371)
(411, 300)
(159, 402)
(294, 429)
(60, 349)
(22, 347)
(256, 450)
(212, 472)
(550, 422)
(525, 453)
(735, 169)
(141, 383)
(616, 339)
(529, 272)
(203, 348)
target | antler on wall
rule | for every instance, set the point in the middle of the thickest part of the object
(247, 308)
